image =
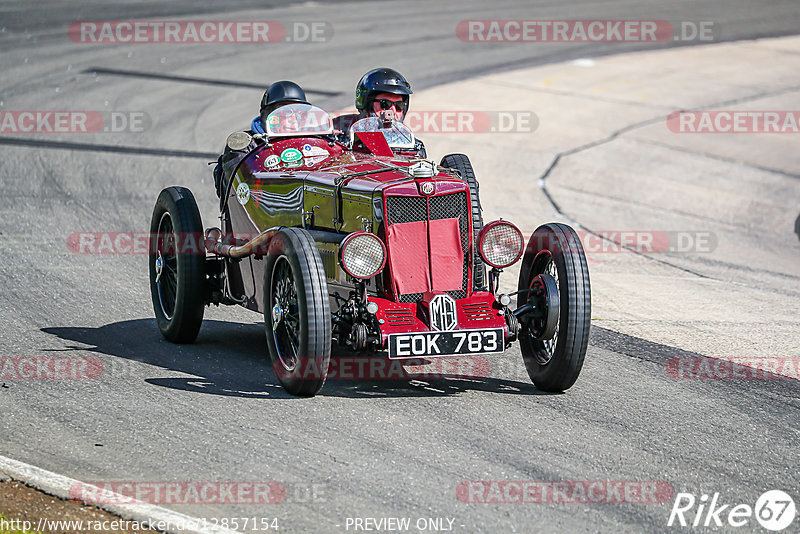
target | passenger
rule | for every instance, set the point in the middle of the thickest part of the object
(278, 94)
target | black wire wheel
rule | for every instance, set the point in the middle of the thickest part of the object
(554, 339)
(461, 163)
(177, 265)
(285, 314)
(297, 313)
(166, 267)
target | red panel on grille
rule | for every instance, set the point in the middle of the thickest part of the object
(447, 257)
(408, 246)
(410, 255)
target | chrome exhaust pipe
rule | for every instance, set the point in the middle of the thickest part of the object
(214, 244)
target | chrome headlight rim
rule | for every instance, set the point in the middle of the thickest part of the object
(349, 242)
(486, 232)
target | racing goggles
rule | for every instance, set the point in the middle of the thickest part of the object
(400, 106)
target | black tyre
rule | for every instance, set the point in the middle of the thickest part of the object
(461, 163)
(297, 312)
(554, 364)
(797, 226)
(177, 265)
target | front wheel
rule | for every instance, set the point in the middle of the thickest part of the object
(177, 265)
(554, 359)
(297, 312)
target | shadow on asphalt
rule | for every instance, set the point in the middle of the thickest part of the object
(231, 359)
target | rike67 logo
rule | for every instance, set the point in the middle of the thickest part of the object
(774, 510)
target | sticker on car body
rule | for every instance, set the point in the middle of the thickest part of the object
(272, 161)
(310, 162)
(243, 193)
(314, 151)
(291, 155)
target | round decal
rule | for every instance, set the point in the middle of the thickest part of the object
(427, 188)
(243, 193)
(272, 161)
(291, 155)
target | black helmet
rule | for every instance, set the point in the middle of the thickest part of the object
(382, 80)
(283, 91)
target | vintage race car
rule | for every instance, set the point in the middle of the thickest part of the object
(355, 239)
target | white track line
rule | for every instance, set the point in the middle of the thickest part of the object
(59, 486)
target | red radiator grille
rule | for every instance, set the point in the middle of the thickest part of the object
(402, 209)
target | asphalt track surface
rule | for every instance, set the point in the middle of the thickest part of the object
(213, 411)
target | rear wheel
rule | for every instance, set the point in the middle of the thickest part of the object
(297, 312)
(554, 359)
(177, 265)
(461, 163)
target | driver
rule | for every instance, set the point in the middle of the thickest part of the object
(278, 94)
(384, 93)
(381, 92)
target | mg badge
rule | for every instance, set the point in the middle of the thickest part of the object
(443, 312)
(427, 188)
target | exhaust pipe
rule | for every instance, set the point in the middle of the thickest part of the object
(214, 244)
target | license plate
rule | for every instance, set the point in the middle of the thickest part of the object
(428, 344)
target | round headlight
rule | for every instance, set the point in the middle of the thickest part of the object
(500, 244)
(362, 255)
